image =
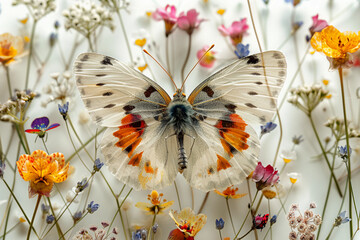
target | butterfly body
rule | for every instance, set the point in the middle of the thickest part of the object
(207, 136)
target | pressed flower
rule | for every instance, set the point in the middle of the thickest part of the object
(269, 192)
(343, 152)
(168, 15)
(307, 98)
(92, 207)
(40, 126)
(50, 219)
(318, 25)
(209, 59)
(42, 171)
(230, 192)
(11, 47)
(265, 176)
(157, 204)
(288, 155)
(297, 139)
(273, 219)
(97, 165)
(341, 219)
(267, 128)
(236, 31)
(187, 222)
(242, 50)
(77, 216)
(293, 176)
(63, 110)
(219, 223)
(190, 21)
(2, 168)
(336, 45)
(259, 222)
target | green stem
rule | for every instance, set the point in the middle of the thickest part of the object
(61, 235)
(250, 209)
(152, 224)
(45, 145)
(75, 224)
(231, 219)
(220, 235)
(324, 154)
(296, 45)
(33, 217)
(88, 36)
(30, 54)
(8, 208)
(186, 59)
(243, 236)
(125, 35)
(204, 202)
(347, 147)
(177, 194)
(332, 229)
(8, 79)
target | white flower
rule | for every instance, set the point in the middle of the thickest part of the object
(288, 155)
(293, 177)
(61, 89)
(37, 8)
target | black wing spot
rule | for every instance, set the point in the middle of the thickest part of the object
(149, 91)
(259, 83)
(110, 105)
(256, 73)
(129, 148)
(281, 63)
(78, 66)
(252, 93)
(98, 119)
(106, 61)
(128, 108)
(100, 84)
(100, 75)
(282, 73)
(253, 59)
(231, 107)
(88, 103)
(85, 58)
(250, 105)
(107, 94)
(208, 91)
(277, 55)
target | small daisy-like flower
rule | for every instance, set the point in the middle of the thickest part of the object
(157, 204)
(341, 219)
(40, 126)
(267, 128)
(259, 222)
(242, 50)
(336, 45)
(11, 48)
(265, 176)
(293, 176)
(208, 60)
(302, 227)
(42, 171)
(230, 192)
(236, 31)
(294, 207)
(168, 15)
(308, 214)
(187, 222)
(288, 155)
(189, 22)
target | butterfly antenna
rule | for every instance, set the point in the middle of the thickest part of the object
(161, 67)
(196, 65)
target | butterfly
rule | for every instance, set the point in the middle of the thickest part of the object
(40, 126)
(207, 136)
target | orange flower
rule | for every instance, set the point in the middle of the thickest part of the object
(187, 222)
(335, 44)
(42, 171)
(155, 206)
(230, 193)
(10, 47)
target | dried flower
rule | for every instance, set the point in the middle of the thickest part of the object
(259, 222)
(80, 186)
(40, 126)
(50, 219)
(230, 192)
(236, 31)
(288, 155)
(42, 171)
(267, 128)
(293, 177)
(2, 168)
(344, 153)
(317, 26)
(11, 48)
(336, 45)
(293, 2)
(297, 139)
(242, 50)
(269, 192)
(265, 176)
(168, 15)
(209, 59)
(37, 8)
(273, 220)
(63, 110)
(187, 222)
(157, 205)
(77, 216)
(127, 204)
(190, 21)
(307, 98)
(61, 89)
(341, 219)
(92, 207)
(97, 165)
(219, 223)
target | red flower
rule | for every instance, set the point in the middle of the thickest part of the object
(318, 24)
(265, 176)
(168, 14)
(236, 31)
(190, 21)
(259, 222)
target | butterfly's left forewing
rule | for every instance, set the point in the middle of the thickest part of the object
(226, 105)
(131, 106)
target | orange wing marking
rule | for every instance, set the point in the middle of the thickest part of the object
(222, 163)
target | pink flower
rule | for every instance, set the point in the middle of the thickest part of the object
(190, 21)
(236, 31)
(208, 60)
(168, 14)
(265, 176)
(318, 24)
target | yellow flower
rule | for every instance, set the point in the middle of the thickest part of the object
(42, 171)
(10, 47)
(230, 193)
(334, 43)
(157, 205)
(221, 11)
(187, 222)
(140, 42)
(269, 192)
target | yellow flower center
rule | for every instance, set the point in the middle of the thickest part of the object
(140, 42)
(293, 180)
(221, 11)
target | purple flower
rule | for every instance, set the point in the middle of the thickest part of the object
(242, 50)
(64, 110)
(219, 223)
(77, 216)
(92, 207)
(268, 127)
(2, 168)
(259, 222)
(40, 126)
(98, 165)
(80, 186)
(50, 219)
(341, 219)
